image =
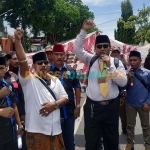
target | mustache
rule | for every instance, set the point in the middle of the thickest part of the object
(59, 60)
(43, 69)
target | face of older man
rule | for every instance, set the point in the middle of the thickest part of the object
(58, 58)
(41, 67)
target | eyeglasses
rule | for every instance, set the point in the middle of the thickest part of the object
(103, 45)
(40, 62)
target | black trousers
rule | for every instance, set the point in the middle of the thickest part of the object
(12, 145)
(123, 117)
(104, 123)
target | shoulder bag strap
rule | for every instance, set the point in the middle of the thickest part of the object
(48, 88)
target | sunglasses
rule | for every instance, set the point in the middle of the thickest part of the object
(40, 62)
(103, 45)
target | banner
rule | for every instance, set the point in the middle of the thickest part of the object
(89, 46)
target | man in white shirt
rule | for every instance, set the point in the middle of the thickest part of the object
(101, 110)
(43, 96)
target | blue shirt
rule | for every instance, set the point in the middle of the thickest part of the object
(7, 130)
(69, 80)
(138, 94)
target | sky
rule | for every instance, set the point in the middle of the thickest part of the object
(106, 13)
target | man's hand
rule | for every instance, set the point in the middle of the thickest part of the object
(5, 91)
(18, 34)
(146, 107)
(22, 118)
(105, 58)
(88, 24)
(131, 74)
(76, 113)
(10, 37)
(6, 112)
(20, 131)
(121, 99)
(47, 108)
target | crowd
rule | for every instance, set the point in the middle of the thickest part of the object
(41, 105)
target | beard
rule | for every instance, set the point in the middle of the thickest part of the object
(43, 73)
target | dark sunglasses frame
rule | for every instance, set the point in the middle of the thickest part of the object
(102, 45)
(40, 62)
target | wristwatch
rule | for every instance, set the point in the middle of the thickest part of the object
(78, 106)
(21, 127)
(57, 105)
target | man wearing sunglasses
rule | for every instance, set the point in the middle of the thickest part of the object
(101, 110)
(43, 95)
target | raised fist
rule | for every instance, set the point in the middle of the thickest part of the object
(10, 37)
(88, 24)
(18, 34)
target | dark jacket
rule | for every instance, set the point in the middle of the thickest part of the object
(13, 79)
(7, 125)
(147, 62)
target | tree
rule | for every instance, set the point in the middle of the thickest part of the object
(66, 20)
(142, 23)
(58, 19)
(125, 33)
(126, 10)
(25, 12)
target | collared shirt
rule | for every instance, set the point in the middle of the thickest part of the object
(138, 94)
(35, 94)
(68, 78)
(93, 88)
(7, 125)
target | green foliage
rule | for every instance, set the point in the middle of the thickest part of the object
(125, 29)
(142, 23)
(126, 9)
(59, 20)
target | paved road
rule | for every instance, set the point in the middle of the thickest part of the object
(79, 133)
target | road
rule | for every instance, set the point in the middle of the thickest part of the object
(79, 132)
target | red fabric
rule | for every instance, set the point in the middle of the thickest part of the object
(15, 84)
(58, 48)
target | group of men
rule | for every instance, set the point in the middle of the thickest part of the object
(48, 123)
(47, 105)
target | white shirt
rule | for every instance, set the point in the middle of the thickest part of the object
(35, 94)
(93, 88)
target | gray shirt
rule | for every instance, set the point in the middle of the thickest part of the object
(116, 76)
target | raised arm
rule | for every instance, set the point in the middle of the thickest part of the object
(8, 43)
(84, 56)
(24, 68)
